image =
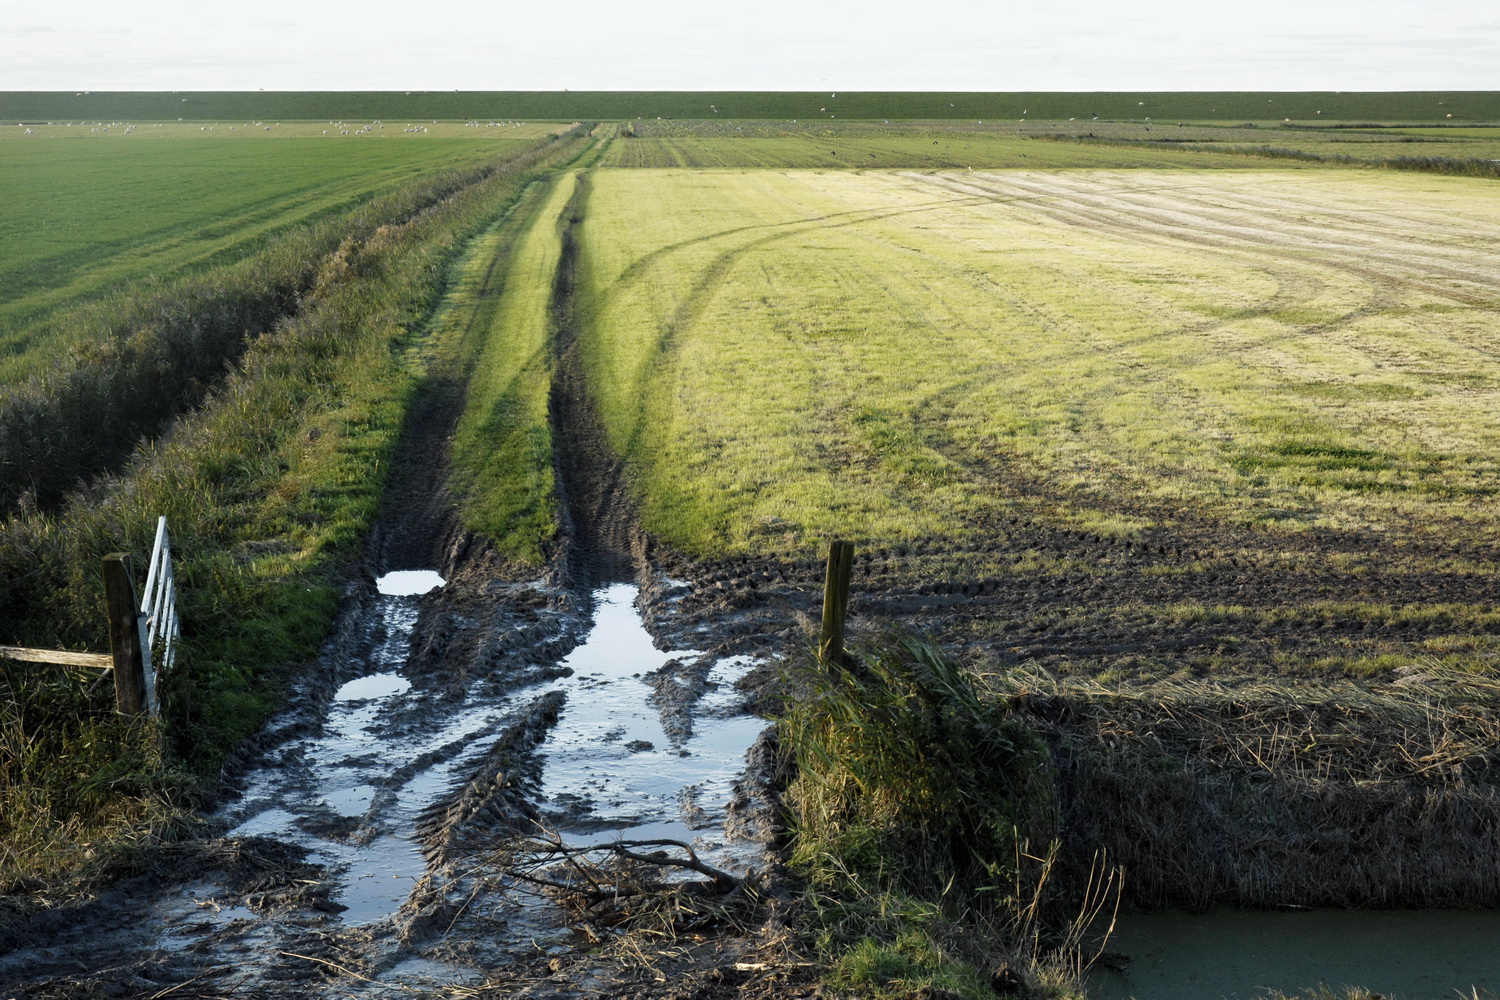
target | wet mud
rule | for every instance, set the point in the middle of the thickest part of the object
(365, 845)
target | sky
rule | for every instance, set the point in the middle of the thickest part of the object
(738, 45)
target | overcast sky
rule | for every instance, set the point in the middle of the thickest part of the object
(766, 45)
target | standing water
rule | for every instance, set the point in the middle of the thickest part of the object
(332, 791)
(353, 791)
(614, 769)
(1400, 954)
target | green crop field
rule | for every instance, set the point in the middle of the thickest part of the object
(881, 146)
(1011, 143)
(91, 208)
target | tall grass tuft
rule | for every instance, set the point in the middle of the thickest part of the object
(913, 804)
(904, 772)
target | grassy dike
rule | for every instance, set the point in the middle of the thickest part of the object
(270, 486)
(624, 105)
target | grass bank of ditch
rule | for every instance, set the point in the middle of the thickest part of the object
(954, 819)
(270, 482)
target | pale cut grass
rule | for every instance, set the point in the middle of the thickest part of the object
(786, 355)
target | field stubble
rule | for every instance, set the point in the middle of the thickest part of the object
(1112, 421)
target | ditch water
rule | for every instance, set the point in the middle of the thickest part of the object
(1234, 954)
(648, 745)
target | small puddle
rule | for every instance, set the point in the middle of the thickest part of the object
(1234, 954)
(373, 686)
(409, 582)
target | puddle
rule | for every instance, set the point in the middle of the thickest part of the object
(350, 793)
(353, 791)
(409, 582)
(611, 769)
(373, 686)
(1234, 954)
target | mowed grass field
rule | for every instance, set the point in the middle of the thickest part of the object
(1269, 392)
(91, 208)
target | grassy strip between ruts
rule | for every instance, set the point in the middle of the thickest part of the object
(269, 488)
(502, 449)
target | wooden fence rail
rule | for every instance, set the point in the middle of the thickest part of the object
(61, 657)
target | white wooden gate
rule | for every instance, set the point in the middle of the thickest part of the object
(158, 614)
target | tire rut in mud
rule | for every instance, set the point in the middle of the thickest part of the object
(599, 541)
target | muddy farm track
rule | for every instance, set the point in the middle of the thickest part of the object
(397, 877)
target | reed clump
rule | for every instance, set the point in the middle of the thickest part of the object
(914, 804)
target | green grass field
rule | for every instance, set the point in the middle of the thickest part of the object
(881, 146)
(89, 211)
(1243, 402)
(1010, 142)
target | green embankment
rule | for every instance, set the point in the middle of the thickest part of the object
(403, 106)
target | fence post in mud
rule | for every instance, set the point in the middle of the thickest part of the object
(125, 635)
(835, 602)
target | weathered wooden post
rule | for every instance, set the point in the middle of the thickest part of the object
(835, 602)
(131, 696)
